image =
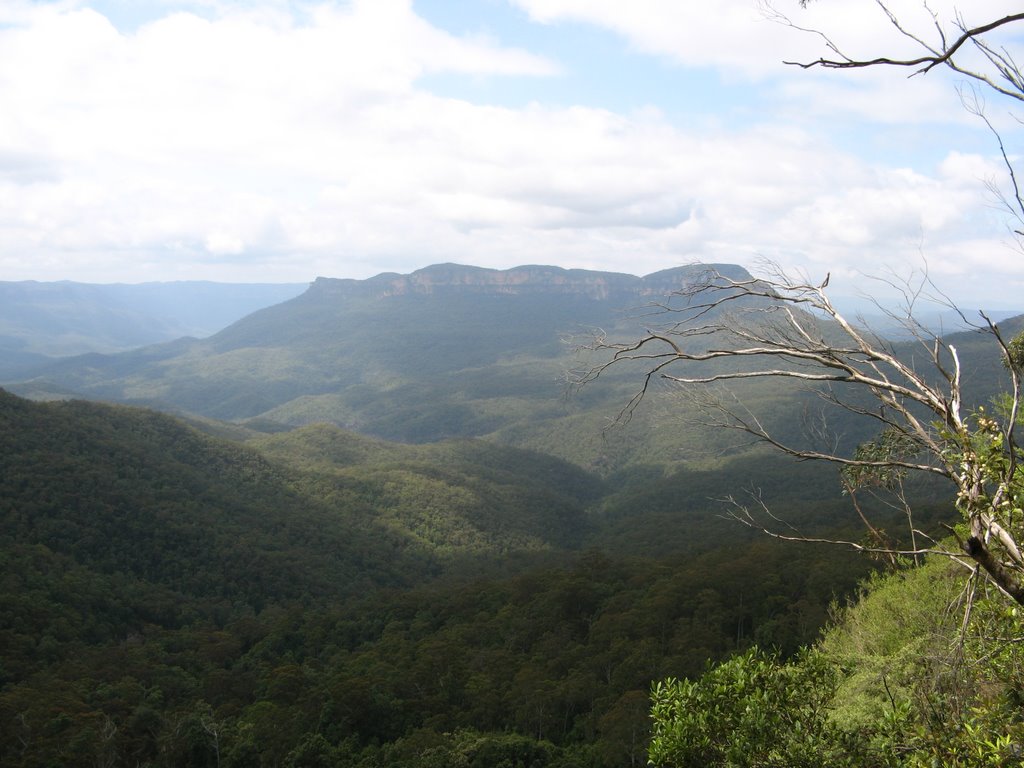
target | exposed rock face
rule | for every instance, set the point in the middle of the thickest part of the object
(600, 286)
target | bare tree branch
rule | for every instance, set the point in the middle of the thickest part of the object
(719, 332)
(942, 54)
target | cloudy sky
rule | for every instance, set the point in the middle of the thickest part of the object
(279, 141)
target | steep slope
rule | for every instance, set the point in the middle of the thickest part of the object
(134, 496)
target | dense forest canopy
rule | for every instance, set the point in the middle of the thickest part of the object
(174, 598)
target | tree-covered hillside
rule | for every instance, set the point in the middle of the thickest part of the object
(280, 590)
(140, 494)
(170, 598)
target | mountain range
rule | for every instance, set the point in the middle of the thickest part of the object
(447, 351)
(370, 525)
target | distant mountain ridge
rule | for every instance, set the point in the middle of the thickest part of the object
(446, 351)
(520, 280)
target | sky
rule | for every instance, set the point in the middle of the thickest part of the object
(279, 141)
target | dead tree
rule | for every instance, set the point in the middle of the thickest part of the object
(946, 43)
(958, 45)
(718, 331)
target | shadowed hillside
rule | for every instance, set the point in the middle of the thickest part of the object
(137, 495)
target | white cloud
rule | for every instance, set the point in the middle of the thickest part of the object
(736, 35)
(750, 40)
(745, 35)
(266, 144)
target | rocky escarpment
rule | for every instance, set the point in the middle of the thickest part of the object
(530, 279)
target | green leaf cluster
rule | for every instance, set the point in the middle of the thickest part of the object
(752, 711)
(900, 680)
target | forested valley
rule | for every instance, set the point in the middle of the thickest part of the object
(173, 598)
(508, 516)
(465, 564)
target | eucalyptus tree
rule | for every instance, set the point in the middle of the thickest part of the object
(976, 45)
(718, 331)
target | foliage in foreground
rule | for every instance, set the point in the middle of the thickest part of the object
(927, 669)
(902, 680)
(752, 710)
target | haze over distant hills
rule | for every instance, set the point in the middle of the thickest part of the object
(447, 351)
(66, 318)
